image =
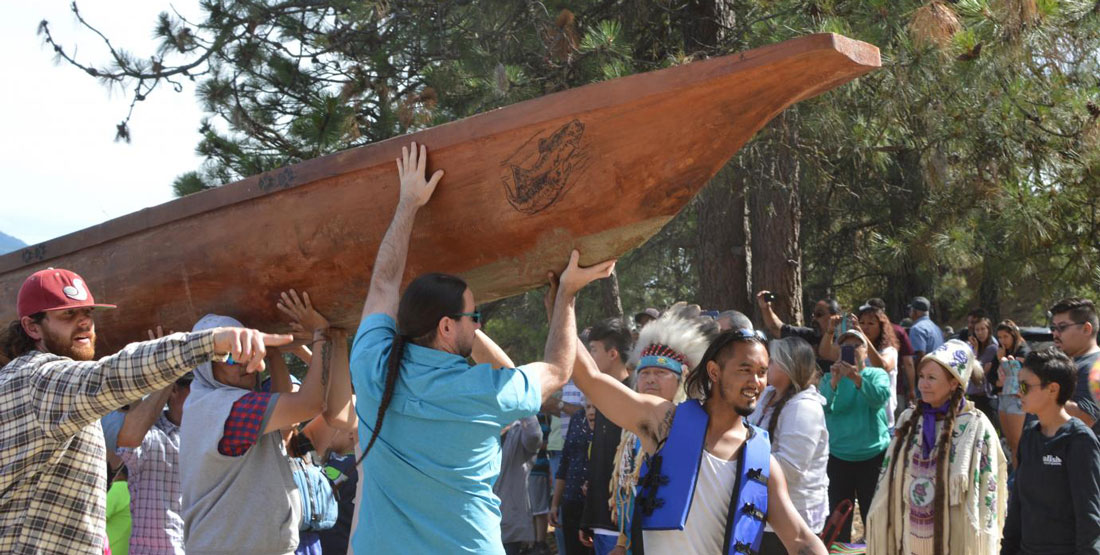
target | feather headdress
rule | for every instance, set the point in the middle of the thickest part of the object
(679, 337)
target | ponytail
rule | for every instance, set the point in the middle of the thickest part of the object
(427, 299)
(393, 368)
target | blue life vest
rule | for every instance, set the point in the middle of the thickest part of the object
(668, 480)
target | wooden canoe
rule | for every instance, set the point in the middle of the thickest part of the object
(600, 168)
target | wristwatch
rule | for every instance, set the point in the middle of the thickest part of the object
(561, 405)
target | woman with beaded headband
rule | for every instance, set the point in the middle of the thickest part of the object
(942, 489)
(665, 350)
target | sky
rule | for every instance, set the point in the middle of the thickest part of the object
(63, 171)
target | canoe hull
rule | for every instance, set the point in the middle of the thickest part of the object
(600, 168)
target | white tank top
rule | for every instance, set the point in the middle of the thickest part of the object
(705, 528)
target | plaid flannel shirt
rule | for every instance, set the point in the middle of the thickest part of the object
(52, 466)
(156, 502)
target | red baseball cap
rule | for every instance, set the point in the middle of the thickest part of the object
(55, 289)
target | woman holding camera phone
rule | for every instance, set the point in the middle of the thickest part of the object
(856, 396)
(1011, 350)
(882, 349)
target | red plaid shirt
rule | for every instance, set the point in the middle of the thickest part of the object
(244, 424)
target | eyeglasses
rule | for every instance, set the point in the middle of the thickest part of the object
(1026, 387)
(475, 316)
(1061, 328)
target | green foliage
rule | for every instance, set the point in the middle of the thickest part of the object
(968, 172)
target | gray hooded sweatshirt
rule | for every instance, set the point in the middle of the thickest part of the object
(232, 505)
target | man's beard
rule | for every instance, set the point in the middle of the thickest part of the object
(67, 347)
(465, 349)
(744, 412)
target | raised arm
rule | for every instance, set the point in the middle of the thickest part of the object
(141, 416)
(561, 343)
(648, 416)
(312, 398)
(339, 409)
(69, 395)
(486, 351)
(389, 264)
(772, 323)
(144, 412)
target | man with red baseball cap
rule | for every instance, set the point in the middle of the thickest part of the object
(52, 395)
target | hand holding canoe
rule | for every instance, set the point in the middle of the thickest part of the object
(411, 167)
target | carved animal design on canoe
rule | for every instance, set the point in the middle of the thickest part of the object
(544, 167)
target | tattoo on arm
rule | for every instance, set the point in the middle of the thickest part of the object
(664, 427)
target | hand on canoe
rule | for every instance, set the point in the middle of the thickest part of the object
(578, 277)
(575, 276)
(303, 317)
(411, 167)
(247, 346)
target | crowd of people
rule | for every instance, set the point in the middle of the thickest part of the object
(684, 431)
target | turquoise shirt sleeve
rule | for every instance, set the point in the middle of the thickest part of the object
(370, 348)
(876, 387)
(517, 394)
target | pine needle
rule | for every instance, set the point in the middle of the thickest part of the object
(934, 25)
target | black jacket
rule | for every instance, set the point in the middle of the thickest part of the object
(601, 463)
(1054, 506)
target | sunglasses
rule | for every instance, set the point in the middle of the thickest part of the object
(742, 334)
(475, 316)
(1026, 387)
(1061, 328)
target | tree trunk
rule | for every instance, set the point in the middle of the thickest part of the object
(907, 280)
(775, 213)
(723, 251)
(609, 289)
(722, 246)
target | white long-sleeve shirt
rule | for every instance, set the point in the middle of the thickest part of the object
(800, 442)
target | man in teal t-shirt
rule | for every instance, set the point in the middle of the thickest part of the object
(431, 423)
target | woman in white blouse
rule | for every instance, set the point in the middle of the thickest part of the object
(790, 409)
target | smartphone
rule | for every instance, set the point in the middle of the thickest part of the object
(769, 297)
(848, 354)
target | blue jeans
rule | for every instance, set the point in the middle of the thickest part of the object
(559, 534)
(603, 544)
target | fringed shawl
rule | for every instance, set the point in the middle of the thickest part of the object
(977, 491)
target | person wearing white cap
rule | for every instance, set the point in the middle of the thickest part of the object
(856, 397)
(943, 489)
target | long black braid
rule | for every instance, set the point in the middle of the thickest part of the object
(900, 454)
(427, 299)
